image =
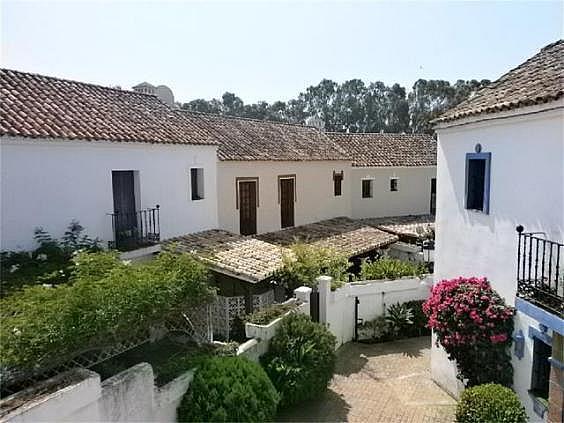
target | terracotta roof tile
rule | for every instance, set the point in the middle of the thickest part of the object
(40, 106)
(538, 80)
(348, 236)
(407, 226)
(380, 150)
(252, 139)
(244, 257)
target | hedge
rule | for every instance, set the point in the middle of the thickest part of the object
(301, 359)
(229, 389)
(490, 403)
(105, 301)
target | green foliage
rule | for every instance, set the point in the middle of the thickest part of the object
(107, 301)
(388, 268)
(400, 321)
(270, 313)
(301, 359)
(50, 263)
(490, 403)
(354, 106)
(306, 262)
(399, 318)
(227, 389)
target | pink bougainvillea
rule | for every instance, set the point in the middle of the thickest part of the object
(473, 324)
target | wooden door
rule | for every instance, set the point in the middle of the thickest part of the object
(123, 186)
(248, 207)
(287, 202)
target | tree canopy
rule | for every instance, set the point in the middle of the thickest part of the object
(354, 106)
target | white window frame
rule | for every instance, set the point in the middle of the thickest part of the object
(200, 189)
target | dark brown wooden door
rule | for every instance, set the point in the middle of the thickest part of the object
(248, 207)
(287, 202)
(123, 186)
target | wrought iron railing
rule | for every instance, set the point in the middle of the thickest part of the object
(135, 230)
(540, 271)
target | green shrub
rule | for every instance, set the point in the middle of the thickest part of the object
(388, 268)
(304, 263)
(490, 403)
(51, 262)
(301, 359)
(107, 301)
(399, 318)
(229, 389)
(270, 313)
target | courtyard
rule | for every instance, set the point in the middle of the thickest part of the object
(388, 382)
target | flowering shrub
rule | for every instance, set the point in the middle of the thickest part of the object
(474, 326)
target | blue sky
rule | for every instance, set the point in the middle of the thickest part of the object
(272, 50)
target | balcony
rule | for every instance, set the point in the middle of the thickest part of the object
(540, 273)
(135, 230)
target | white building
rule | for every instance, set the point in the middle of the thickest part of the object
(391, 175)
(71, 150)
(501, 165)
(274, 175)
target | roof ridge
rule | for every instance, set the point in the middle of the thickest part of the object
(217, 115)
(73, 81)
(412, 134)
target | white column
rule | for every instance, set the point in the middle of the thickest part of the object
(324, 288)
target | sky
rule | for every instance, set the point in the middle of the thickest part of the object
(272, 50)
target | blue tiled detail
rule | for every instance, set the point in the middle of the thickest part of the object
(545, 318)
(541, 336)
(519, 344)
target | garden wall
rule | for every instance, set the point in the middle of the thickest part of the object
(128, 396)
(336, 308)
(262, 334)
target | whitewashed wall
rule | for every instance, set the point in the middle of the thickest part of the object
(314, 191)
(48, 183)
(336, 308)
(129, 396)
(527, 188)
(413, 196)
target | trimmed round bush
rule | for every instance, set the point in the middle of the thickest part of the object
(301, 359)
(229, 389)
(490, 403)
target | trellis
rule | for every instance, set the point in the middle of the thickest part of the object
(195, 322)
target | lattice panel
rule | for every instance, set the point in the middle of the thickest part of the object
(263, 300)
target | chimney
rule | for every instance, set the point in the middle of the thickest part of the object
(162, 92)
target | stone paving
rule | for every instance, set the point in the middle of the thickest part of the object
(388, 383)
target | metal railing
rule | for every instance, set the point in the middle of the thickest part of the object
(540, 272)
(135, 230)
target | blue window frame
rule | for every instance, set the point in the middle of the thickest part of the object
(477, 188)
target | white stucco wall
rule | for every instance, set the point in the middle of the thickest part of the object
(129, 396)
(526, 187)
(314, 191)
(49, 183)
(412, 197)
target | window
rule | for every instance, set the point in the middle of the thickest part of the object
(337, 183)
(478, 181)
(394, 184)
(541, 369)
(367, 188)
(197, 183)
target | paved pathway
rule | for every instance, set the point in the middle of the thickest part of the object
(385, 383)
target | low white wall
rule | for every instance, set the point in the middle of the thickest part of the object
(337, 307)
(129, 396)
(261, 335)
